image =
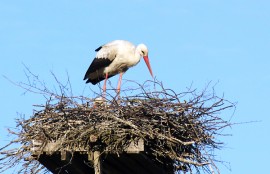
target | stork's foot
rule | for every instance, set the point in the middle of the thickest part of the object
(118, 97)
(104, 95)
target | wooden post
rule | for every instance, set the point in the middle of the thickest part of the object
(97, 162)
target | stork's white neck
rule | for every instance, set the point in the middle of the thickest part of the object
(138, 53)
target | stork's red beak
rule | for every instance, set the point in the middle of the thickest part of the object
(148, 64)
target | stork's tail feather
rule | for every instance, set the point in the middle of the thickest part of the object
(94, 81)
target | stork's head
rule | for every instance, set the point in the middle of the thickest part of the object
(142, 49)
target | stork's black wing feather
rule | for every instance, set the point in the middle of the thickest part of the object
(98, 63)
(98, 79)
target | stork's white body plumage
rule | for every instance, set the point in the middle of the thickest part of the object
(113, 58)
(123, 55)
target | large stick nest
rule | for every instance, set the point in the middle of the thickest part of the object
(181, 128)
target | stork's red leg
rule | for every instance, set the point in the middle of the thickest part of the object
(119, 83)
(104, 86)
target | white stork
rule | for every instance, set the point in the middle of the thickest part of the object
(113, 58)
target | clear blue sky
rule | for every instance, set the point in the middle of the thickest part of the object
(189, 42)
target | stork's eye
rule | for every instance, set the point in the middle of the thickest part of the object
(143, 52)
